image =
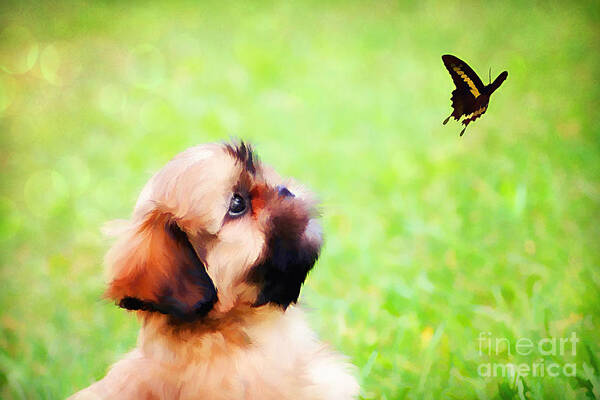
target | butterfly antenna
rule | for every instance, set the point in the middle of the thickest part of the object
(490, 75)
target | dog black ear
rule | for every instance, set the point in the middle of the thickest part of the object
(283, 272)
(156, 269)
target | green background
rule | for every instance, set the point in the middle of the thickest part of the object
(431, 239)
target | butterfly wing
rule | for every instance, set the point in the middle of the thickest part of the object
(462, 75)
(463, 103)
(474, 115)
(468, 87)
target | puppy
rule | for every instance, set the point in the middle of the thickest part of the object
(212, 262)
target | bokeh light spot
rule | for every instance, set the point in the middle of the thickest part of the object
(18, 49)
(11, 219)
(111, 99)
(44, 190)
(148, 66)
(7, 91)
(60, 63)
(77, 173)
(49, 64)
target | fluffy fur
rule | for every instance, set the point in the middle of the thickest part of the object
(215, 292)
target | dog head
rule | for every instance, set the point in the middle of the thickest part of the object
(213, 230)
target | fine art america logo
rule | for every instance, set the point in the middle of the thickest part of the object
(546, 347)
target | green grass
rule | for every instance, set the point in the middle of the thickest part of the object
(430, 238)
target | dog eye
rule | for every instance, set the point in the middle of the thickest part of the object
(237, 206)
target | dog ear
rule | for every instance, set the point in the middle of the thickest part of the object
(156, 269)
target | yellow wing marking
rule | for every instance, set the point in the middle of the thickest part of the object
(468, 80)
(476, 113)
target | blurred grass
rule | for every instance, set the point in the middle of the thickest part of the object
(431, 239)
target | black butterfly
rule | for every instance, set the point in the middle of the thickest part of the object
(471, 96)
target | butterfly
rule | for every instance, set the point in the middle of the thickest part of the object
(471, 96)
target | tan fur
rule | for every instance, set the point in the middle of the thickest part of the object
(237, 350)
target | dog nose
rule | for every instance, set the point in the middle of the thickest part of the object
(283, 191)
